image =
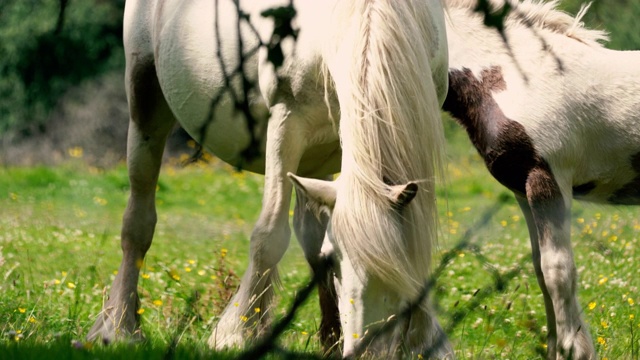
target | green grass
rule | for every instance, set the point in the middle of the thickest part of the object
(59, 249)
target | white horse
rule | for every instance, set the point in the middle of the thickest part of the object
(555, 116)
(377, 66)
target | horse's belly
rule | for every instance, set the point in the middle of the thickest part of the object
(192, 78)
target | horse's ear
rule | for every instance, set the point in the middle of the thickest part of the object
(401, 195)
(321, 193)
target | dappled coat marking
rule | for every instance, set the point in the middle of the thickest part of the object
(504, 145)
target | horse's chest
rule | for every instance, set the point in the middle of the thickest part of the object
(509, 154)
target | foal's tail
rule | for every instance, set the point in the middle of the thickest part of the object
(379, 55)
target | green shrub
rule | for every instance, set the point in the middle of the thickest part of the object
(39, 61)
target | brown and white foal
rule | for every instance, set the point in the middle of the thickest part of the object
(555, 116)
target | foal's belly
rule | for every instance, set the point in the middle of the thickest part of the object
(619, 185)
(611, 178)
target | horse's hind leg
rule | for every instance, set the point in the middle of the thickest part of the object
(548, 215)
(310, 231)
(150, 123)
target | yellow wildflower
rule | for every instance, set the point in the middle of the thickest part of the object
(75, 152)
(173, 274)
(100, 201)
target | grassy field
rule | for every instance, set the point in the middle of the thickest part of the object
(59, 249)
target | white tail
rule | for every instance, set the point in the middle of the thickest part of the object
(390, 128)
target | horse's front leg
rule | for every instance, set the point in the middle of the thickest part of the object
(246, 315)
(150, 123)
(549, 210)
(310, 231)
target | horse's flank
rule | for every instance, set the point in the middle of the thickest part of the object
(579, 94)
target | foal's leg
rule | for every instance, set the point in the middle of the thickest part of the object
(552, 338)
(310, 232)
(150, 123)
(550, 212)
(245, 316)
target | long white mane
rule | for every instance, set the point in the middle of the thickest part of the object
(390, 128)
(544, 15)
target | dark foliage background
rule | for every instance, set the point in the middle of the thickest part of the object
(43, 55)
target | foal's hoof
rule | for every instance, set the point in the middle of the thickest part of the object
(581, 348)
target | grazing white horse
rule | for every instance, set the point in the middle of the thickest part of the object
(555, 116)
(374, 69)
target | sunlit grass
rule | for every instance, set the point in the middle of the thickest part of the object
(59, 251)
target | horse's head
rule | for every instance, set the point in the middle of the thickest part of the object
(321, 198)
(360, 294)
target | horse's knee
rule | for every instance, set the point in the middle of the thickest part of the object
(269, 242)
(138, 226)
(559, 272)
